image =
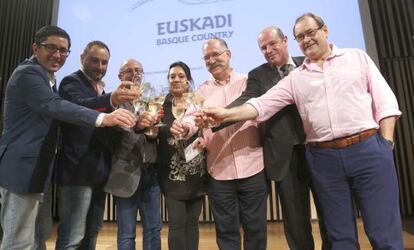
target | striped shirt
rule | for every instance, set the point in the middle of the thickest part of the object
(234, 152)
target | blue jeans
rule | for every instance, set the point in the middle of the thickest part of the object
(18, 218)
(147, 200)
(43, 225)
(74, 204)
(365, 172)
(94, 220)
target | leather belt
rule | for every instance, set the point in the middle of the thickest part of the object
(345, 141)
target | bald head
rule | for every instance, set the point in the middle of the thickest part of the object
(273, 45)
(271, 31)
(131, 70)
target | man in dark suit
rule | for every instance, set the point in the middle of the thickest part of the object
(84, 157)
(28, 141)
(284, 153)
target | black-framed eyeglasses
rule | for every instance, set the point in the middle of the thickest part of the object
(53, 48)
(309, 33)
(213, 55)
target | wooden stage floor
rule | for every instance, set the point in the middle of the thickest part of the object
(276, 239)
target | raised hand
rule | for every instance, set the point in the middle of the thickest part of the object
(214, 115)
(201, 120)
(119, 117)
(124, 93)
(146, 120)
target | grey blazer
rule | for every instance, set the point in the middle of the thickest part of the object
(132, 152)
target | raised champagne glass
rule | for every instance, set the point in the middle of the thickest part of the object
(179, 107)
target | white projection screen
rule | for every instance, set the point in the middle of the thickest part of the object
(159, 32)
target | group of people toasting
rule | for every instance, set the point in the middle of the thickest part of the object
(323, 122)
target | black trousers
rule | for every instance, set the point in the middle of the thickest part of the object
(294, 195)
(240, 202)
(183, 233)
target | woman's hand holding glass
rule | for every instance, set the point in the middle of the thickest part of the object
(179, 129)
(179, 107)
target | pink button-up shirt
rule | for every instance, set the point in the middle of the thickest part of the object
(234, 152)
(347, 96)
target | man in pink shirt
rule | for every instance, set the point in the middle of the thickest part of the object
(348, 112)
(237, 189)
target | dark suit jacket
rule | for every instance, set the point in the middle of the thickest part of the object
(27, 145)
(283, 130)
(84, 153)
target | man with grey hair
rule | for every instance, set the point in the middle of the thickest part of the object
(236, 188)
(349, 114)
(283, 149)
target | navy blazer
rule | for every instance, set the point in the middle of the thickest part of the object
(27, 145)
(84, 153)
(283, 131)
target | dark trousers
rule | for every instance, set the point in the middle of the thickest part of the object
(183, 233)
(239, 202)
(294, 194)
(365, 172)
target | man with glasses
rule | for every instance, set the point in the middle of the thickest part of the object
(237, 189)
(84, 156)
(28, 142)
(283, 138)
(349, 113)
(133, 180)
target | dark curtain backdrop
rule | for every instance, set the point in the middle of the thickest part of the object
(393, 28)
(393, 24)
(19, 20)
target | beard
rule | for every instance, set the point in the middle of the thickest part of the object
(95, 75)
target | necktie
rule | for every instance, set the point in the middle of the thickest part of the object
(285, 69)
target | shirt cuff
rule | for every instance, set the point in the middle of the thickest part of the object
(253, 102)
(99, 120)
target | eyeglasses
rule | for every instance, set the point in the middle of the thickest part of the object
(213, 55)
(309, 33)
(133, 71)
(53, 48)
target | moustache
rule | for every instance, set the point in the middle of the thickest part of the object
(216, 64)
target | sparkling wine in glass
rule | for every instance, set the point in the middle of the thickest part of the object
(136, 86)
(179, 106)
(159, 99)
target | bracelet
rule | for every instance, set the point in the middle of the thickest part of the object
(392, 144)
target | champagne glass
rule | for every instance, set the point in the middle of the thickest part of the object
(198, 100)
(136, 86)
(179, 106)
(146, 94)
(159, 100)
(148, 104)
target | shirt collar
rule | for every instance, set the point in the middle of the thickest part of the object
(335, 51)
(289, 62)
(91, 80)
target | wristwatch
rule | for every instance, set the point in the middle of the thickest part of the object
(392, 144)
